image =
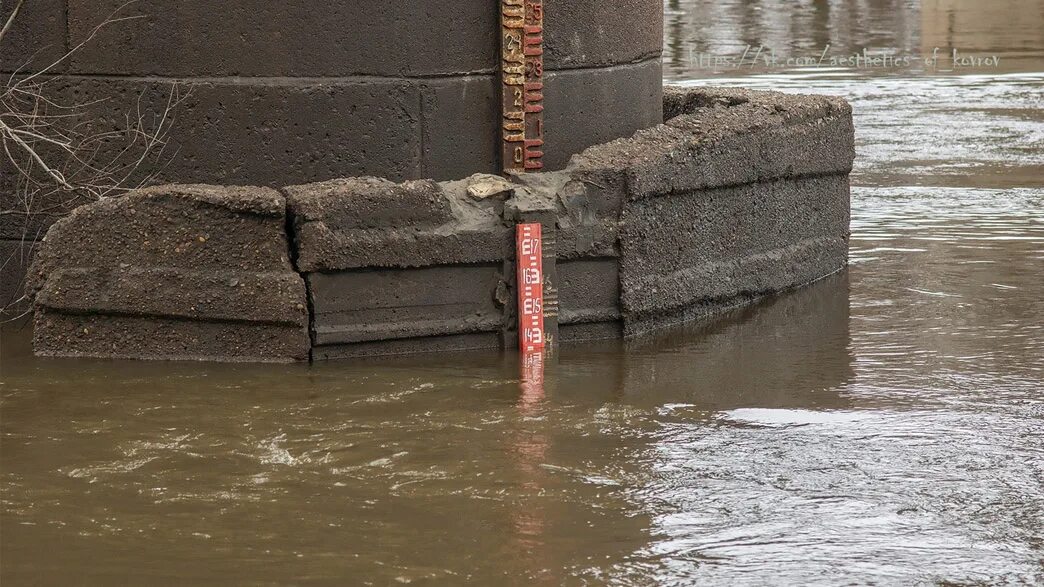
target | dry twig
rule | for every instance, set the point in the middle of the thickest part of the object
(63, 152)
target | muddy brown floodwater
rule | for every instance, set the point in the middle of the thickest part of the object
(883, 426)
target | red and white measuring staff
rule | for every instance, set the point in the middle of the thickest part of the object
(530, 271)
(522, 142)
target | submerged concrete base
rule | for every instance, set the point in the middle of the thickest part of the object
(737, 195)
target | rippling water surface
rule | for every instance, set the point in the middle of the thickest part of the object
(885, 425)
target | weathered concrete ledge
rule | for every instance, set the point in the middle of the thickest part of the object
(738, 194)
(172, 272)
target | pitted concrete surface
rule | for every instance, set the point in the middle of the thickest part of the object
(172, 272)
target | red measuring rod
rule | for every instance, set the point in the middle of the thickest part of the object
(530, 287)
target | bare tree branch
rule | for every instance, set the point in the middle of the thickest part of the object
(10, 19)
(65, 153)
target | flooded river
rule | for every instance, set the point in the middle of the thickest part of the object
(884, 426)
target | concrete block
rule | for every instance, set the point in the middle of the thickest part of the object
(589, 290)
(329, 236)
(58, 334)
(712, 244)
(346, 37)
(369, 305)
(36, 39)
(275, 38)
(723, 137)
(460, 128)
(361, 203)
(171, 272)
(260, 131)
(593, 33)
(264, 297)
(591, 106)
(590, 331)
(321, 248)
(195, 227)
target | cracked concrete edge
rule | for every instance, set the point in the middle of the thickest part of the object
(171, 272)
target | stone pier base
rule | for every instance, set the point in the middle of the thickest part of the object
(738, 194)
